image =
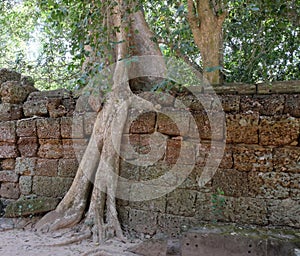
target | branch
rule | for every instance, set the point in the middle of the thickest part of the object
(192, 18)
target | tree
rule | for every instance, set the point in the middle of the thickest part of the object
(101, 159)
(206, 21)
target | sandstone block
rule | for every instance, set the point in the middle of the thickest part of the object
(174, 225)
(25, 185)
(284, 212)
(67, 167)
(232, 182)
(10, 112)
(25, 166)
(242, 128)
(287, 159)
(9, 190)
(30, 207)
(173, 123)
(207, 125)
(278, 131)
(51, 186)
(26, 128)
(48, 128)
(8, 150)
(156, 205)
(35, 108)
(292, 105)
(143, 221)
(28, 146)
(12, 92)
(56, 108)
(182, 202)
(144, 123)
(54, 94)
(8, 131)
(181, 152)
(8, 75)
(269, 185)
(8, 176)
(250, 211)
(46, 167)
(72, 127)
(50, 148)
(74, 148)
(8, 164)
(252, 158)
(230, 103)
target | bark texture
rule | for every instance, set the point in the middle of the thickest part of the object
(206, 19)
(94, 202)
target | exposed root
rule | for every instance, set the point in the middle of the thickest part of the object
(76, 239)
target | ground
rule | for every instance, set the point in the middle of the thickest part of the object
(17, 237)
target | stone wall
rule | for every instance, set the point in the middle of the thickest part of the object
(37, 156)
(257, 181)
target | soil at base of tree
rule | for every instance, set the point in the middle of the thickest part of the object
(18, 237)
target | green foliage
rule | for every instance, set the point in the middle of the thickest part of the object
(218, 202)
(48, 39)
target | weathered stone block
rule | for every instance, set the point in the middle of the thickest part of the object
(8, 150)
(89, 121)
(279, 131)
(155, 205)
(265, 105)
(8, 164)
(174, 225)
(50, 148)
(67, 167)
(25, 185)
(182, 202)
(181, 152)
(190, 101)
(8, 176)
(26, 128)
(295, 185)
(74, 148)
(8, 131)
(72, 127)
(35, 108)
(51, 186)
(48, 128)
(30, 207)
(201, 125)
(284, 212)
(232, 182)
(58, 94)
(13, 92)
(292, 105)
(10, 112)
(287, 159)
(143, 221)
(252, 158)
(162, 99)
(129, 171)
(250, 211)
(46, 167)
(144, 123)
(230, 103)
(9, 75)
(269, 185)
(174, 123)
(242, 128)
(56, 108)
(28, 146)
(9, 190)
(25, 166)
(222, 153)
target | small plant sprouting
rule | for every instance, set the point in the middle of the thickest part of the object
(218, 201)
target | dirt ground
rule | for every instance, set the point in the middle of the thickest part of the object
(17, 237)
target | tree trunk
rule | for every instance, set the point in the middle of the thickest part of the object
(100, 162)
(206, 24)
